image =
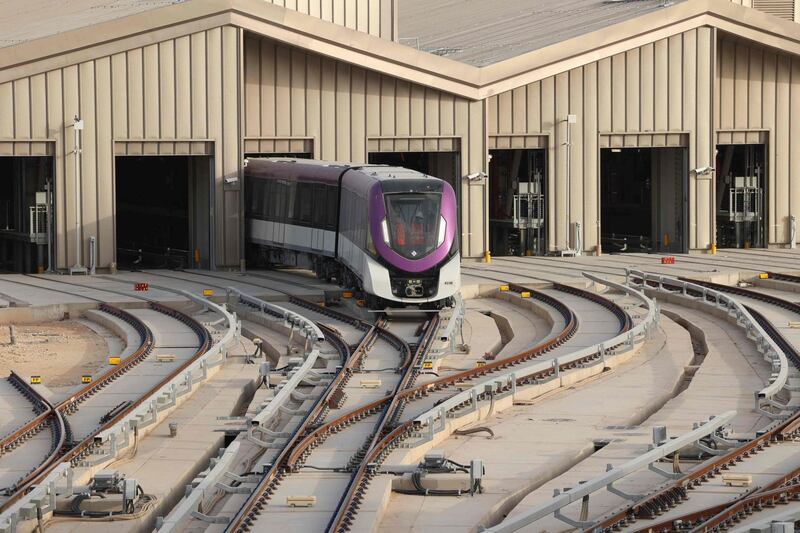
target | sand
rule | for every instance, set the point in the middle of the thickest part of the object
(60, 352)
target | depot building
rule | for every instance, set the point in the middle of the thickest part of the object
(579, 125)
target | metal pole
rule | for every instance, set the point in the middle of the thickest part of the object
(78, 267)
(569, 185)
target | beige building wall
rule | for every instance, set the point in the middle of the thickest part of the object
(376, 17)
(659, 94)
(178, 96)
(302, 102)
(759, 101)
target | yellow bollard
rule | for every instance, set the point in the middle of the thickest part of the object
(714, 249)
(666, 239)
(487, 256)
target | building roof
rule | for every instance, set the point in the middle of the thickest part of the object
(481, 33)
(28, 20)
(60, 46)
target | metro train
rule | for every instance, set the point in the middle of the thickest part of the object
(388, 231)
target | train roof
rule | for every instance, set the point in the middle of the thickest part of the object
(324, 171)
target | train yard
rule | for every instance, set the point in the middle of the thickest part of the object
(287, 405)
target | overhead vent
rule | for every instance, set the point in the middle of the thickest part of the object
(780, 8)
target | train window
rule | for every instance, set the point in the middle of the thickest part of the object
(291, 203)
(332, 208)
(320, 206)
(305, 201)
(279, 201)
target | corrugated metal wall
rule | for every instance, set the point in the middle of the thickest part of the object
(649, 96)
(184, 89)
(291, 97)
(760, 101)
(376, 17)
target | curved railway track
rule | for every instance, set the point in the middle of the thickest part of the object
(315, 430)
(719, 517)
(380, 450)
(65, 449)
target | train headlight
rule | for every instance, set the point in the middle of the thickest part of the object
(442, 231)
(385, 230)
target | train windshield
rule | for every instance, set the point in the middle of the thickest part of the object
(412, 223)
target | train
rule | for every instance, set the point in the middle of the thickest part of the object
(387, 232)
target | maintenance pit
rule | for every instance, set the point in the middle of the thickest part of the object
(517, 202)
(644, 200)
(163, 215)
(25, 199)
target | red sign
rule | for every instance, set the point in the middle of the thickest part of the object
(141, 287)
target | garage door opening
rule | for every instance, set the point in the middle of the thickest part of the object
(643, 200)
(25, 208)
(517, 207)
(741, 193)
(442, 165)
(163, 215)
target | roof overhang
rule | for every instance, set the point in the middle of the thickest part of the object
(387, 57)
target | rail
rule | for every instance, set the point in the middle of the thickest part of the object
(380, 450)
(280, 466)
(359, 481)
(607, 479)
(49, 414)
(506, 383)
(671, 495)
(117, 433)
(716, 298)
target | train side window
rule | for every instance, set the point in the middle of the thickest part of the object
(279, 201)
(320, 206)
(305, 200)
(332, 208)
(292, 210)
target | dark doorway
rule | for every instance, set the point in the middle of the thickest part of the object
(643, 200)
(163, 215)
(517, 206)
(442, 165)
(740, 195)
(26, 213)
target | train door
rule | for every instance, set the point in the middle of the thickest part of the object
(741, 195)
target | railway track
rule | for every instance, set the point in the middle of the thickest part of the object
(783, 277)
(316, 429)
(675, 493)
(719, 517)
(65, 448)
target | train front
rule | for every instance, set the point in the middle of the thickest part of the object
(413, 227)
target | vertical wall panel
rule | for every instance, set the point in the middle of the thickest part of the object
(183, 88)
(214, 116)
(71, 99)
(358, 104)
(39, 107)
(88, 155)
(313, 101)
(166, 95)
(618, 100)
(782, 147)
(7, 110)
(675, 87)
(632, 94)
(646, 91)
(55, 120)
(343, 116)
(105, 163)
(199, 88)
(590, 161)
(230, 135)
(768, 105)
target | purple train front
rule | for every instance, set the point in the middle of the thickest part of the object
(388, 231)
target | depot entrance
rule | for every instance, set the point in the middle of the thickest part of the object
(740, 195)
(163, 215)
(442, 165)
(643, 200)
(517, 182)
(25, 208)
